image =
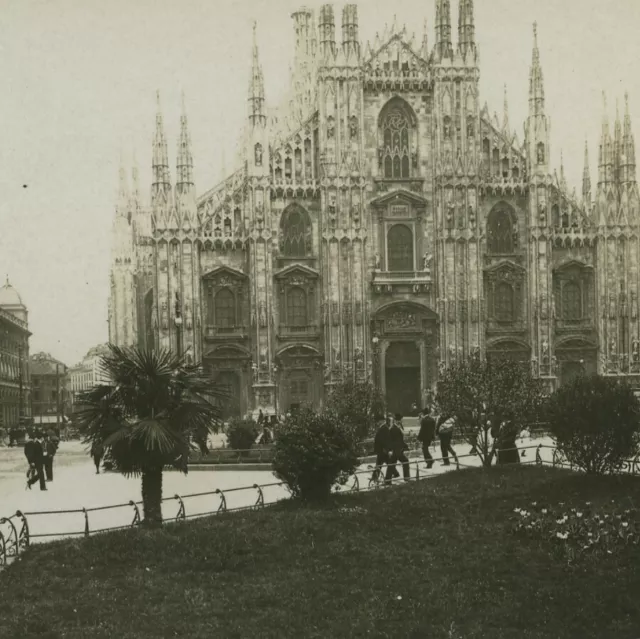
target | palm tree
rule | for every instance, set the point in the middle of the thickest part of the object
(144, 417)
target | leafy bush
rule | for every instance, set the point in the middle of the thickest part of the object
(313, 451)
(482, 395)
(595, 423)
(357, 404)
(241, 433)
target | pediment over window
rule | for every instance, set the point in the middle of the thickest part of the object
(227, 352)
(399, 197)
(505, 270)
(396, 55)
(297, 272)
(225, 276)
(573, 265)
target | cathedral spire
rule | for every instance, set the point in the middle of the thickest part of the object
(443, 29)
(123, 186)
(327, 31)
(425, 42)
(257, 113)
(604, 155)
(563, 179)
(628, 151)
(184, 180)
(350, 42)
(466, 27)
(505, 117)
(586, 177)
(160, 164)
(536, 83)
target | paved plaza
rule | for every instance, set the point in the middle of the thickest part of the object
(76, 485)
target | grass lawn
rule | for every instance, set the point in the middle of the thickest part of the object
(406, 562)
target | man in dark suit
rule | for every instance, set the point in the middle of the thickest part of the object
(427, 434)
(397, 445)
(34, 454)
(381, 445)
(49, 449)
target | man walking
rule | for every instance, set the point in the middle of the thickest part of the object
(34, 454)
(397, 446)
(380, 446)
(97, 453)
(427, 434)
(49, 449)
(445, 433)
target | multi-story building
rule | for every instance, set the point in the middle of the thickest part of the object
(50, 398)
(382, 225)
(86, 374)
(15, 386)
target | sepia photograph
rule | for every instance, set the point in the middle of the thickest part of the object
(319, 321)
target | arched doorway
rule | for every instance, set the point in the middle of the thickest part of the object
(571, 370)
(402, 377)
(231, 382)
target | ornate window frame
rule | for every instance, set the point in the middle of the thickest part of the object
(287, 280)
(305, 235)
(503, 274)
(397, 140)
(504, 210)
(237, 284)
(580, 274)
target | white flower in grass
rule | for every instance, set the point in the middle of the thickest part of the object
(589, 534)
(609, 552)
(625, 524)
(399, 597)
(516, 510)
(534, 503)
(544, 511)
(579, 515)
(588, 503)
(560, 535)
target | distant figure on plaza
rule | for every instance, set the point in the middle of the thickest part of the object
(34, 454)
(260, 417)
(381, 446)
(266, 437)
(398, 447)
(97, 453)
(505, 442)
(200, 438)
(445, 433)
(49, 449)
(427, 434)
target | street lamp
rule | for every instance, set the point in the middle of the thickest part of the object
(376, 360)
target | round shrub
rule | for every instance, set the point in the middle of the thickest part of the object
(595, 423)
(242, 433)
(313, 452)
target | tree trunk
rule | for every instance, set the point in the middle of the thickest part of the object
(152, 496)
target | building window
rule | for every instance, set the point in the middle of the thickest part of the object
(500, 232)
(295, 232)
(296, 307)
(571, 302)
(225, 312)
(504, 303)
(396, 136)
(400, 248)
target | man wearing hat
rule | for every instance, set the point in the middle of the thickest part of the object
(381, 446)
(397, 446)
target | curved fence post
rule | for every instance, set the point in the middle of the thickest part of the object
(12, 545)
(223, 501)
(260, 501)
(418, 471)
(181, 516)
(356, 483)
(136, 513)
(24, 537)
(86, 522)
(538, 455)
(3, 551)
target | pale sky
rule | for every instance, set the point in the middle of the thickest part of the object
(79, 80)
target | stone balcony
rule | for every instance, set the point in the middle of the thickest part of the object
(390, 282)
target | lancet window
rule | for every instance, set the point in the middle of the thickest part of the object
(295, 233)
(396, 134)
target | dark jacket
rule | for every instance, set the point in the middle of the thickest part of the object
(427, 429)
(396, 440)
(381, 441)
(33, 452)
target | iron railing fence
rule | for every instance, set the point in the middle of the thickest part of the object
(16, 533)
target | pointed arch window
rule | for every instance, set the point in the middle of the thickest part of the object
(571, 302)
(505, 303)
(224, 309)
(400, 248)
(396, 136)
(297, 307)
(295, 233)
(500, 232)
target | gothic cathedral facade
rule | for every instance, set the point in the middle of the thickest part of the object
(381, 226)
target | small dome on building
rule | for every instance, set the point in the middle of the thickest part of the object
(9, 296)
